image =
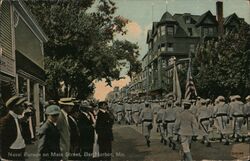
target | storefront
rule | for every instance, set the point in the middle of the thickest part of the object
(31, 83)
(22, 57)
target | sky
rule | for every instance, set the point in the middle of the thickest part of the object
(142, 13)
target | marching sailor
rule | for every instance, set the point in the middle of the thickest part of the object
(247, 115)
(236, 113)
(169, 118)
(159, 118)
(186, 126)
(221, 113)
(146, 117)
(204, 119)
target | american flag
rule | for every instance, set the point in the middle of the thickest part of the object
(190, 87)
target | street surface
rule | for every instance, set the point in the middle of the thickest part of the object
(129, 145)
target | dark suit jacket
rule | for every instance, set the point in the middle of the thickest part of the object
(87, 133)
(104, 125)
(74, 136)
(64, 130)
(49, 142)
(8, 134)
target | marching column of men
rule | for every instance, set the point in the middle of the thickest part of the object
(182, 123)
(73, 130)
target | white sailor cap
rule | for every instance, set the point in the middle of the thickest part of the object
(221, 98)
(237, 97)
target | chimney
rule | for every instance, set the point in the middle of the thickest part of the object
(219, 16)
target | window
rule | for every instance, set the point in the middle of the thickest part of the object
(159, 48)
(155, 38)
(208, 31)
(163, 47)
(163, 30)
(164, 63)
(191, 48)
(170, 30)
(159, 32)
(188, 20)
(170, 47)
(205, 31)
(190, 31)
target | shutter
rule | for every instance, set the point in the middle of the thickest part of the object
(5, 29)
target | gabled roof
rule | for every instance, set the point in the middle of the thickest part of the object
(149, 35)
(184, 27)
(154, 28)
(204, 16)
(230, 18)
(167, 17)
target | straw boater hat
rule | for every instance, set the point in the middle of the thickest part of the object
(66, 101)
(15, 101)
(85, 104)
(12, 101)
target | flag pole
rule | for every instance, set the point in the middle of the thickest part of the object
(176, 83)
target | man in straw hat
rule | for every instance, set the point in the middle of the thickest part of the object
(12, 141)
(63, 126)
(49, 136)
(87, 132)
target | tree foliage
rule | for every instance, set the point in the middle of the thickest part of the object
(81, 46)
(222, 67)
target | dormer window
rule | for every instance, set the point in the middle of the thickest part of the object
(188, 20)
(190, 31)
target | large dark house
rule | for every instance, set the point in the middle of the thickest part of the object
(177, 36)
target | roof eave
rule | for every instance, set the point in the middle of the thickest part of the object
(24, 11)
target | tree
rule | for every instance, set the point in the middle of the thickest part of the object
(81, 45)
(222, 67)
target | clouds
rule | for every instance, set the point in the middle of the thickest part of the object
(134, 30)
